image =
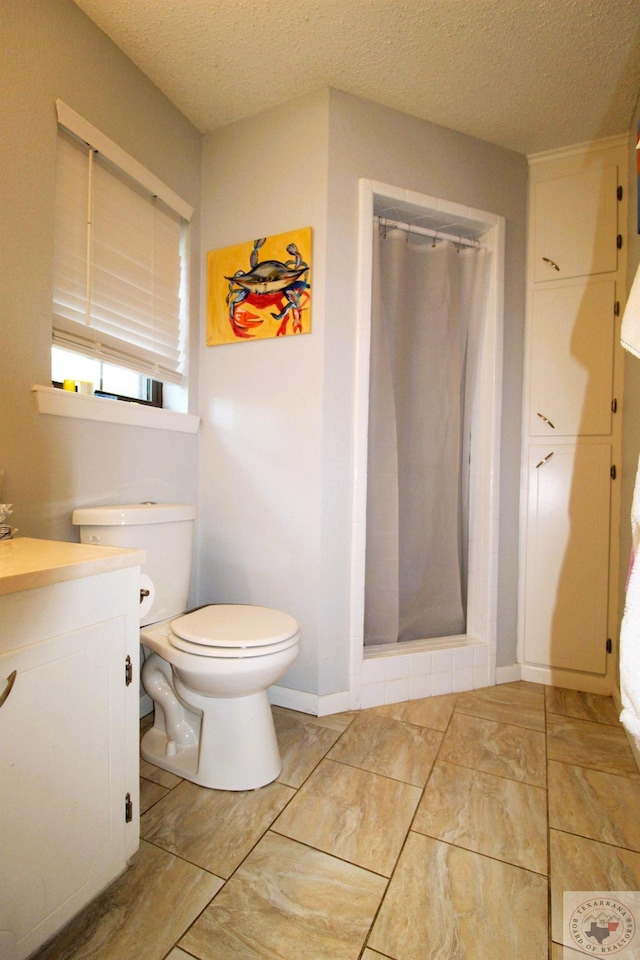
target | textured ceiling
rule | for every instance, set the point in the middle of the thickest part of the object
(529, 75)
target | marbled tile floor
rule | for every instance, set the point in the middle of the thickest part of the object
(442, 828)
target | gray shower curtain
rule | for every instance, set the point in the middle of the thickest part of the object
(428, 307)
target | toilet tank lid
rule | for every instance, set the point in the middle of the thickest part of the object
(130, 514)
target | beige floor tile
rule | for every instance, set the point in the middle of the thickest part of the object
(432, 712)
(500, 818)
(336, 721)
(498, 748)
(582, 706)
(150, 793)
(580, 864)
(288, 902)
(465, 875)
(157, 775)
(538, 688)
(214, 829)
(303, 743)
(594, 804)
(141, 915)
(587, 744)
(402, 751)
(445, 902)
(333, 721)
(353, 814)
(558, 952)
(506, 703)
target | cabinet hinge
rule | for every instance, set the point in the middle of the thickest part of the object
(613, 471)
(614, 405)
(609, 645)
(128, 809)
(616, 308)
(620, 193)
(128, 671)
(619, 241)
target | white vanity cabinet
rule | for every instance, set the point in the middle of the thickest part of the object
(68, 732)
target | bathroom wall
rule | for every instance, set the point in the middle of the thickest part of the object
(276, 454)
(50, 50)
(261, 470)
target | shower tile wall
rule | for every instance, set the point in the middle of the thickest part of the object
(393, 676)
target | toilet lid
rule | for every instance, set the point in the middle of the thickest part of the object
(234, 626)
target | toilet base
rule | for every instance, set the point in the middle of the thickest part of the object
(236, 748)
(153, 747)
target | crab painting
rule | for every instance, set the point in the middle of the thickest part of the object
(282, 285)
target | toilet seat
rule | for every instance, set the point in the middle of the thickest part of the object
(235, 631)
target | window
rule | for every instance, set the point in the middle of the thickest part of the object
(120, 261)
(103, 379)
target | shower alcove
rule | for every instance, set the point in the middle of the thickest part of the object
(405, 670)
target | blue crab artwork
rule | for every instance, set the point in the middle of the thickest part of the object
(269, 283)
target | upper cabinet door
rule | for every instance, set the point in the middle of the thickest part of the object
(576, 224)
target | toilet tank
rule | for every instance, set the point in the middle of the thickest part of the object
(165, 532)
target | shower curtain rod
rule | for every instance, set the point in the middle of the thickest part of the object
(425, 232)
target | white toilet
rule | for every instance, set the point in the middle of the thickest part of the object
(209, 670)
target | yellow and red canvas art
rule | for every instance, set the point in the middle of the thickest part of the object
(260, 289)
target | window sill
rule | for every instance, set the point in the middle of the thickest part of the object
(64, 403)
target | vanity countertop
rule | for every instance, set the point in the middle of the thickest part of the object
(26, 563)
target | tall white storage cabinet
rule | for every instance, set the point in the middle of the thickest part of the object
(69, 642)
(572, 416)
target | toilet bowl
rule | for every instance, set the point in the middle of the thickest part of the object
(206, 671)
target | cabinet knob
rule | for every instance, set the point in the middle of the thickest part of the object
(11, 679)
(551, 263)
(544, 460)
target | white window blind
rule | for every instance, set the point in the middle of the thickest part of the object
(119, 283)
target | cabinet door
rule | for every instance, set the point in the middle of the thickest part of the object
(571, 362)
(567, 556)
(62, 826)
(576, 224)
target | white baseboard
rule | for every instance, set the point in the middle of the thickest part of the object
(317, 706)
(568, 679)
(333, 703)
(293, 699)
(508, 674)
